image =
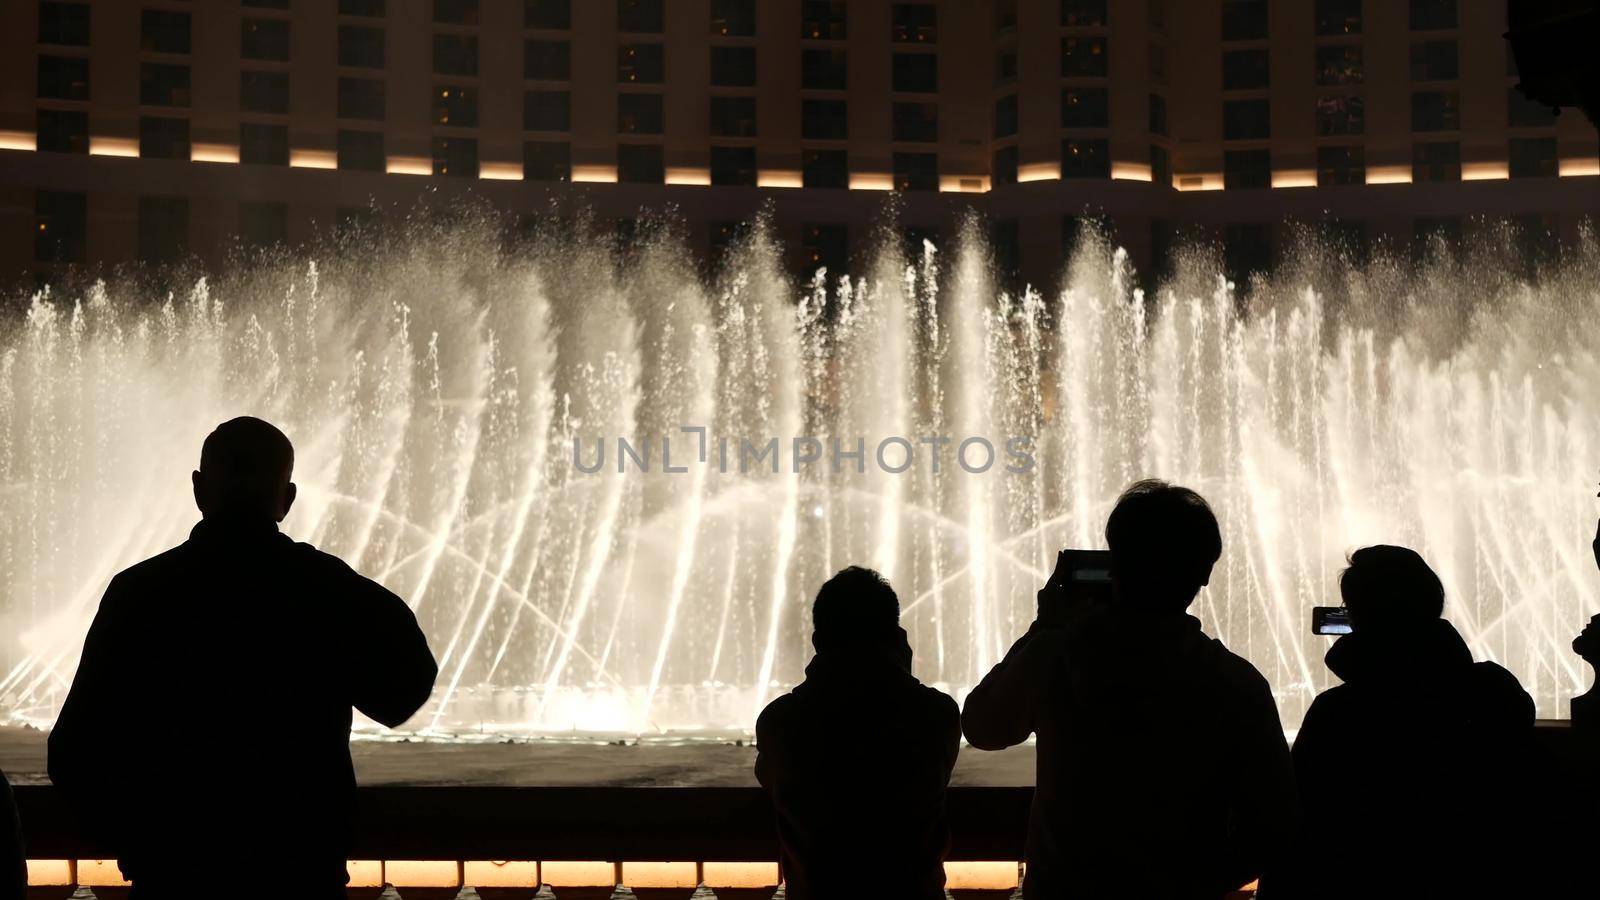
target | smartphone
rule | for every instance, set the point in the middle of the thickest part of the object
(1330, 620)
(1085, 574)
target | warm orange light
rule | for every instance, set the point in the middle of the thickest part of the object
(981, 876)
(113, 146)
(562, 874)
(422, 873)
(214, 153)
(93, 873)
(1040, 171)
(739, 874)
(1579, 167)
(1130, 171)
(1294, 178)
(408, 165)
(51, 873)
(18, 140)
(1388, 175)
(1485, 171)
(313, 159)
(365, 873)
(779, 178)
(500, 873)
(597, 174)
(661, 875)
(500, 171)
(688, 175)
(1202, 181)
(963, 184)
(871, 181)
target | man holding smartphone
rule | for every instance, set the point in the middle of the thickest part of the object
(1162, 766)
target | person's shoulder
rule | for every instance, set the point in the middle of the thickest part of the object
(1495, 681)
(937, 704)
(163, 565)
(776, 714)
(1235, 671)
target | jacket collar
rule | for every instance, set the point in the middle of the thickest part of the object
(1424, 652)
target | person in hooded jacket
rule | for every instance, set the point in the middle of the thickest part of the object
(1413, 772)
(857, 757)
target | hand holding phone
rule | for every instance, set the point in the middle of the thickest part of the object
(1330, 620)
(1082, 579)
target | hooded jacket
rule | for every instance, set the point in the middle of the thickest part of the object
(1409, 771)
(1162, 767)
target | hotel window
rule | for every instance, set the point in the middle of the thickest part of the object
(1158, 114)
(1246, 120)
(916, 171)
(263, 225)
(1245, 169)
(455, 12)
(1244, 20)
(824, 120)
(372, 9)
(163, 85)
(824, 169)
(1005, 243)
(455, 105)
(1083, 13)
(640, 163)
(914, 23)
(1341, 114)
(1338, 17)
(822, 20)
(724, 237)
(1005, 66)
(733, 117)
(1341, 165)
(1005, 116)
(1003, 168)
(555, 15)
(1436, 161)
(546, 111)
(64, 24)
(352, 220)
(641, 63)
(1433, 15)
(264, 92)
(265, 39)
(1435, 232)
(455, 157)
(915, 122)
(1083, 57)
(1435, 111)
(1083, 107)
(1434, 61)
(161, 137)
(1244, 70)
(163, 31)
(264, 145)
(825, 247)
(1339, 64)
(733, 66)
(361, 151)
(734, 166)
(547, 60)
(1082, 158)
(639, 114)
(63, 130)
(1160, 166)
(915, 72)
(63, 78)
(163, 228)
(362, 98)
(1247, 250)
(1533, 157)
(1522, 112)
(823, 70)
(61, 226)
(733, 18)
(1158, 63)
(455, 54)
(360, 47)
(640, 16)
(547, 161)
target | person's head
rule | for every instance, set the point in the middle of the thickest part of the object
(855, 608)
(245, 466)
(1390, 588)
(1164, 540)
(1587, 643)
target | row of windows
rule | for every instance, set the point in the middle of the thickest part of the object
(1339, 64)
(1247, 20)
(1430, 161)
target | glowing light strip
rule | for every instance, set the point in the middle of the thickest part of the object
(595, 173)
(408, 165)
(1130, 171)
(1579, 167)
(981, 876)
(964, 184)
(1294, 178)
(113, 146)
(313, 159)
(51, 873)
(739, 874)
(779, 178)
(511, 874)
(1389, 175)
(1043, 171)
(578, 874)
(500, 171)
(213, 153)
(1200, 181)
(18, 140)
(365, 873)
(688, 175)
(661, 875)
(1485, 171)
(93, 873)
(422, 873)
(871, 181)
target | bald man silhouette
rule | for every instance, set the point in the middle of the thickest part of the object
(209, 719)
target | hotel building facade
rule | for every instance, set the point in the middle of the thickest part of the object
(153, 130)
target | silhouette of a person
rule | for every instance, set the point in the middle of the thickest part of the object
(13, 865)
(1162, 766)
(209, 720)
(1412, 771)
(857, 757)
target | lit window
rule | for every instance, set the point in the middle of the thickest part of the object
(733, 18)
(1336, 17)
(1082, 158)
(1341, 114)
(914, 23)
(641, 63)
(61, 226)
(455, 157)
(1083, 57)
(1083, 107)
(1339, 64)
(822, 19)
(455, 105)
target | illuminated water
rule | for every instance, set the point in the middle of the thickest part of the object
(434, 391)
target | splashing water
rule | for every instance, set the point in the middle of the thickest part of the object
(435, 394)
